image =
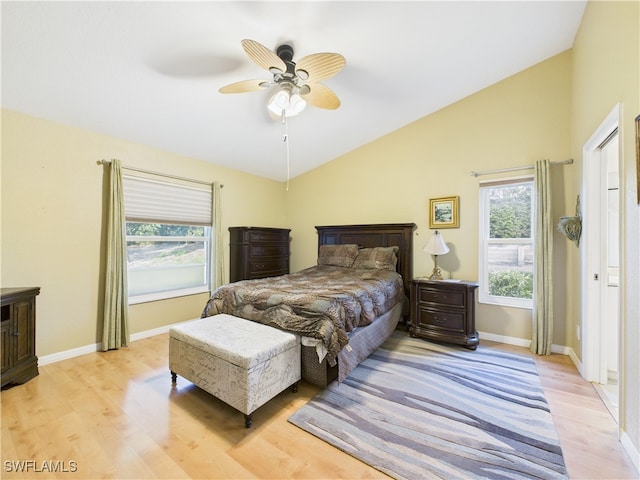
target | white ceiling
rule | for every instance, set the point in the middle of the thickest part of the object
(149, 72)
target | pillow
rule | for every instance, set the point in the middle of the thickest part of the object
(338, 255)
(383, 258)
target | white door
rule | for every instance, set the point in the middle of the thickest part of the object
(611, 320)
(600, 257)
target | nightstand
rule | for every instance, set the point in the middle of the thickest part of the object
(444, 311)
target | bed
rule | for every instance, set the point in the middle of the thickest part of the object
(341, 319)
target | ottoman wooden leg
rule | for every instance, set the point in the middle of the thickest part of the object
(294, 387)
(174, 377)
(248, 420)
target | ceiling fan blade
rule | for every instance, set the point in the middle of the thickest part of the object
(243, 86)
(262, 56)
(320, 66)
(322, 97)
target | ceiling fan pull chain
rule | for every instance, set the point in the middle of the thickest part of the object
(285, 139)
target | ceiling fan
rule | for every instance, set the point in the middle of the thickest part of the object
(297, 82)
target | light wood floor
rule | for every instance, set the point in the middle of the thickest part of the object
(116, 415)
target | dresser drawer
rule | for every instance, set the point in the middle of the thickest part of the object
(258, 269)
(442, 297)
(266, 236)
(441, 319)
(260, 251)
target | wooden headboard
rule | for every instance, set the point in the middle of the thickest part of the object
(376, 235)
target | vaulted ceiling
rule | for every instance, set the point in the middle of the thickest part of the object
(149, 72)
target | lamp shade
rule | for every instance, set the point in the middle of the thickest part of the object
(436, 245)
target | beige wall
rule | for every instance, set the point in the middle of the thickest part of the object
(606, 71)
(515, 122)
(52, 228)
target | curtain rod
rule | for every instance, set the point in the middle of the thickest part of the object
(515, 169)
(150, 172)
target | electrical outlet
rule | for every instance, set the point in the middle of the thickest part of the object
(578, 332)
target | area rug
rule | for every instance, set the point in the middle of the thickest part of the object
(416, 409)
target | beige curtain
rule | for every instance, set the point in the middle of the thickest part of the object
(542, 329)
(115, 332)
(218, 251)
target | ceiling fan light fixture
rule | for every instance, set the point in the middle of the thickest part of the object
(297, 103)
(285, 102)
(280, 100)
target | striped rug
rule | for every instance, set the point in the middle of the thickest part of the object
(415, 409)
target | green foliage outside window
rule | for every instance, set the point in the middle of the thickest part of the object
(511, 283)
(510, 212)
(163, 230)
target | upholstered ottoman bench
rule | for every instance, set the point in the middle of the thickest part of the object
(243, 363)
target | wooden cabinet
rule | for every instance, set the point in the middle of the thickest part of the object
(19, 361)
(258, 252)
(444, 311)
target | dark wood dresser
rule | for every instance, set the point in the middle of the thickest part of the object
(444, 311)
(258, 252)
(19, 361)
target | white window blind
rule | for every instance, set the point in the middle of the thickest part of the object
(150, 200)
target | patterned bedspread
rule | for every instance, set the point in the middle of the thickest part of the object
(323, 302)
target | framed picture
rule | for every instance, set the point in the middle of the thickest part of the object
(443, 212)
(638, 157)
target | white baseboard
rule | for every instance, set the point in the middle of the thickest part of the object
(632, 451)
(576, 361)
(492, 337)
(524, 342)
(151, 333)
(96, 347)
(65, 355)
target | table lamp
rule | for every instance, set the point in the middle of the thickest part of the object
(435, 247)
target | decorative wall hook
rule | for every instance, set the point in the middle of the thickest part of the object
(571, 227)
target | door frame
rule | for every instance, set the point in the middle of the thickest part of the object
(592, 259)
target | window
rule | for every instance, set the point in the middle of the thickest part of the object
(506, 242)
(169, 237)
